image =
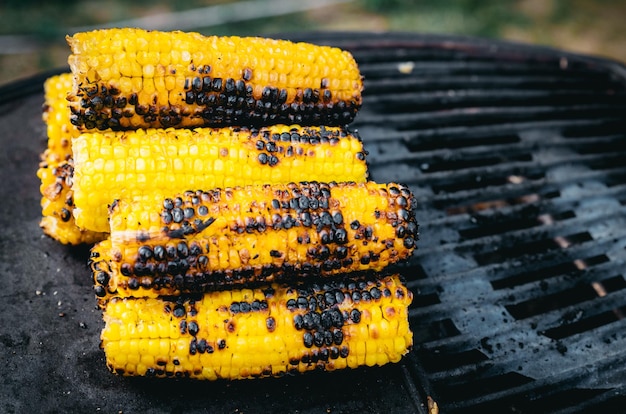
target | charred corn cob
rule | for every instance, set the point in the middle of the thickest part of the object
(57, 203)
(133, 78)
(249, 333)
(123, 164)
(56, 167)
(205, 240)
(56, 115)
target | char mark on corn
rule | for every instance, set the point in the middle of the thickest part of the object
(259, 332)
(131, 78)
(56, 167)
(203, 240)
(146, 163)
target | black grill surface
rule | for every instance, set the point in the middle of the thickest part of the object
(516, 156)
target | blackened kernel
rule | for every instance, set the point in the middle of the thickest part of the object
(177, 215)
(270, 324)
(221, 344)
(182, 326)
(217, 84)
(193, 328)
(305, 218)
(202, 346)
(400, 232)
(273, 160)
(326, 236)
(203, 210)
(145, 253)
(318, 338)
(409, 242)
(275, 253)
(329, 298)
(260, 145)
(235, 307)
(244, 307)
(182, 249)
(375, 293)
(344, 352)
(282, 96)
(166, 217)
(334, 352)
(195, 249)
(403, 214)
(298, 322)
(307, 321)
(179, 311)
(328, 338)
(291, 304)
(341, 236)
(327, 320)
(196, 84)
(337, 336)
(126, 269)
(399, 293)
(339, 297)
(246, 74)
(133, 283)
(307, 339)
(66, 215)
(102, 278)
(360, 156)
(189, 212)
(337, 218)
(355, 315)
(193, 346)
(302, 302)
(99, 291)
(263, 158)
(365, 259)
(271, 146)
(337, 318)
(355, 225)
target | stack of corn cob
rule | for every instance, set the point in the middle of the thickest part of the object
(238, 234)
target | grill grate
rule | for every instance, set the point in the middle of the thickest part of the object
(516, 157)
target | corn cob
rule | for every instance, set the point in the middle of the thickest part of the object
(250, 333)
(125, 164)
(56, 167)
(205, 240)
(57, 203)
(133, 78)
(56, 115)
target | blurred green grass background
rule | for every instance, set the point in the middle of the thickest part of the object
(32, 32)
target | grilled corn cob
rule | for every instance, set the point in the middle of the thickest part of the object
(204, 240)
(132, 78)
(57, 203)
(249, 333)
(56, 167)
(125, 164)
(56, 115)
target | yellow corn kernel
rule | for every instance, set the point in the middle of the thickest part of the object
(219, 81)
(199, 240)
(266, 331)
(167, 161)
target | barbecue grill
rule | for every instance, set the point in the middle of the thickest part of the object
(516, 156)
